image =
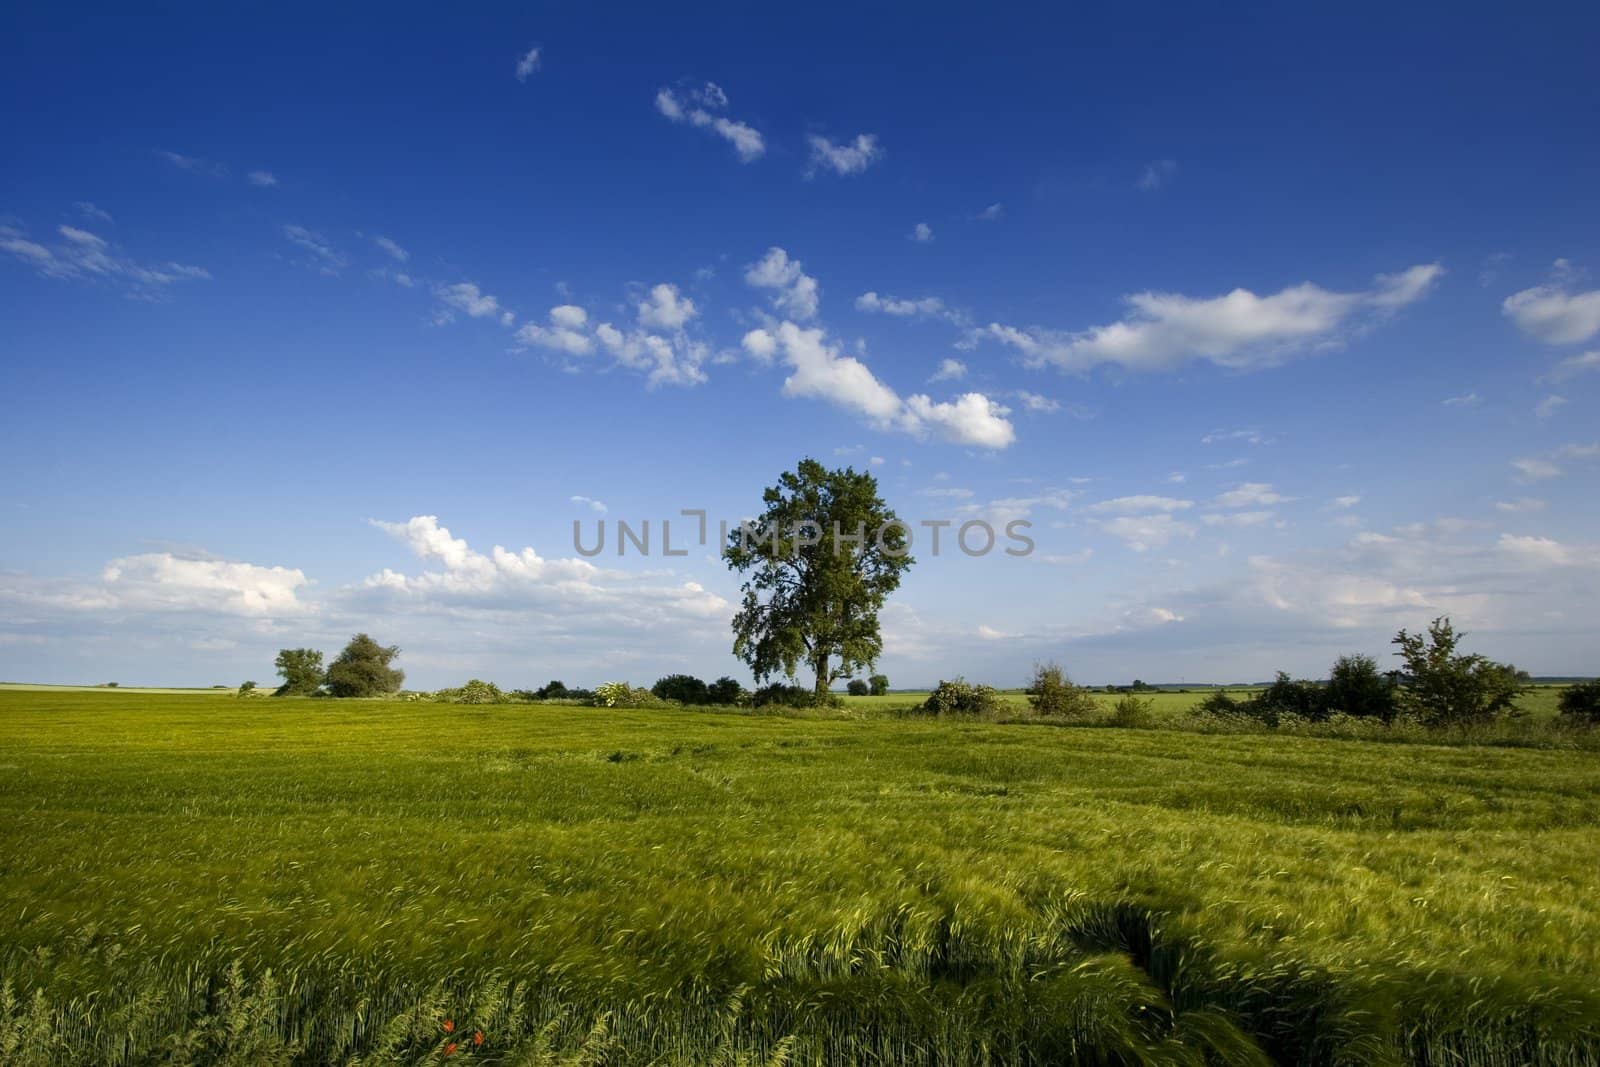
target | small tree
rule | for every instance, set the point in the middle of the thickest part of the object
(1442, 687)
(301, 669)
(362, 669)
(1285, 696)
(959, 697)
(1581, 702)
(478, 691)
(725, 690)
(858, 688)
(552, 690)
(684, 688)
(878, 685)
(1357, 687)
(1052, 693)
(247, 688)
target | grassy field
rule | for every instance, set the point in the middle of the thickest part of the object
(206, 879)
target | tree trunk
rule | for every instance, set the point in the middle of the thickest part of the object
(824, 679)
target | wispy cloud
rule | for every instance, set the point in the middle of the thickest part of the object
(324, 257)
(852, 157)
(78, 254)
(1156, 174)
(702, 108)
(527, 63)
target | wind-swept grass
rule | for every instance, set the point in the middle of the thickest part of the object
(205, 879)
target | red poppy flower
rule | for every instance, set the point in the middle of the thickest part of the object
(449, 1026)
(450, 1049)
(477, 1037)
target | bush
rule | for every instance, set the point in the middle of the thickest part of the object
(1052, 693)
(727, 691)
(552, 690)
(960, 698)
(878, 685)
(247, 689)
(684, 688)
(477, 691)
(781, 694)
(1582, 702)
(1441, 687)
(1130, 711)
(858, 688)
(301, 669)
(623, 695)
(1288, 697)
(1356, 687)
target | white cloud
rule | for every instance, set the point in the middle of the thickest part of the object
(1553, 313)
(564, 334)
(950, 370)
(389, 245)
(760, 344)
(1144, 532)
(922, 233)
(795, 292)
(163, 581)
(890, 305)
(992, 213)
(263, 179)
(1250, 494)
(1342, 503)
(1157, 174)
(1465, 400)
(527, 63)
(1522, 505)
(1535, 470)
(1238, 518)
(1238, 330)
(822, 372)
(80, 255)
(1573, 366)
(696, 108)
(674, 360)
(1038, 404)
(195, 164)
(1548, 406)
(92, 213)
(852, 157)
(946, 493)
(467, 297)
(592, 504)
(1133, 505)
(1249, 437)
(325, 257)
(665, 309)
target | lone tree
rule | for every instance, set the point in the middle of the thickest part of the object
(878, 684)
(1445, 688)
(362, 669)
(301, 669)
(821, 560)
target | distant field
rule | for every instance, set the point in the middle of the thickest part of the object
(207, 879)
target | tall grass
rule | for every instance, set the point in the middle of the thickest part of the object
(207, 880)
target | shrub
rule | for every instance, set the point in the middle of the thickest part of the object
(1442, 687)
(623, 695)
(789, 696)
(552, 690)
(477, 691)
(1221, 704)
(878, 685)
(247, 688)
(1356, 687)
(1288, 697)
(858, 688)
(684, 688)
(726, 690)
(1582, 702)
(1052, 693)
(958, 697)
(1133, 712)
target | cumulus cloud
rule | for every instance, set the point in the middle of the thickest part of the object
(819, 370)
(1039, 405)
(852, 157)
(922, 233)
(950, 370)
(468, 298)
(1238, 330)
(79, 255)
(993, 213)
(700, 107)
(1573, 366)
(665, 309)
(564, 334)
(1250, 494)
(1141, 504)
(925, 307)
(1553, 312)
(795, 293)
(527, 63)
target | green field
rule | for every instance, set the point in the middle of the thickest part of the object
(206, 879)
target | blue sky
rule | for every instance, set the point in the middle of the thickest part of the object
(1281, 327)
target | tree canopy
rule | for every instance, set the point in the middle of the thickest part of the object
(820, 561)
(301, 669)
(362, 669)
